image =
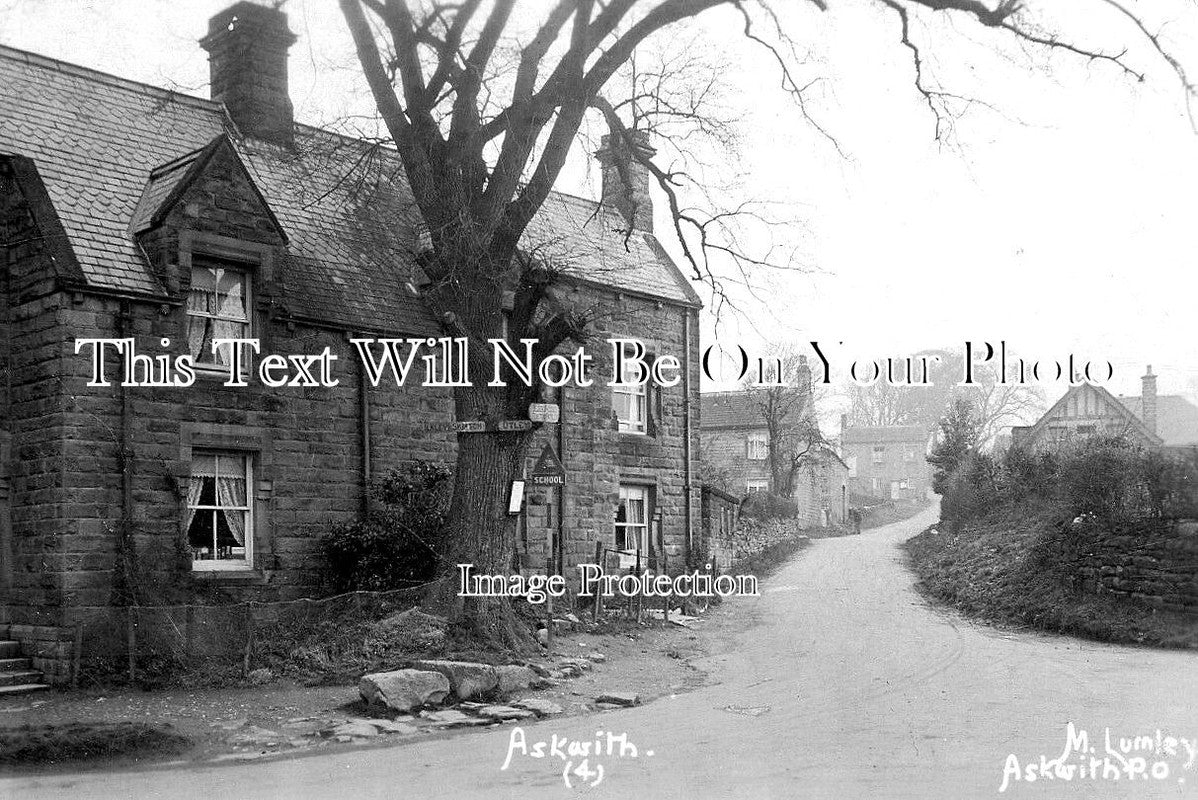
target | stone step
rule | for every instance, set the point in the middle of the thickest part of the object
(22, 688)
(11, 664)
(20, 677)
(10, 649)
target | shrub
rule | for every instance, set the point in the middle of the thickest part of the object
(767, 506)
(1104, 478)
(1107, 479)
(971, 489)
(397, 543)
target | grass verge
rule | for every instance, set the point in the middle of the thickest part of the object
(46, 745)
(1009, 570)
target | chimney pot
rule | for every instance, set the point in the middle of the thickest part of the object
(1148, 399)
(247, 61)
(631, 199)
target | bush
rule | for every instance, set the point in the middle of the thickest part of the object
(1104, 478)
(764, 506)
(971, 489)
(1107, 479)
(397, 544)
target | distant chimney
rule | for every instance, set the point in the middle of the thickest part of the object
(803, 381)
(617, 162)
(247, 60)
(1148, 399)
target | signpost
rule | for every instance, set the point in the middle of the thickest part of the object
(514, 425)
(544, 412)
(472, 426)
(548, 470)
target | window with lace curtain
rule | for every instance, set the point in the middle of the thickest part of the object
(218, 307)
(632, 523)
(219, 511)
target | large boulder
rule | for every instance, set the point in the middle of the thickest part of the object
(514, 678)
(466, 678)
(403, 689)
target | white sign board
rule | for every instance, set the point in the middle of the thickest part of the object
(544, 412)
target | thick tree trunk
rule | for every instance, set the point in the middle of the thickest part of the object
(481, 531)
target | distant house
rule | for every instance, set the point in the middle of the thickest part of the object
(735, 443)
(1151, 420)
(887, 462)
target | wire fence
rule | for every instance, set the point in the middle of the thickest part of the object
(219, 642)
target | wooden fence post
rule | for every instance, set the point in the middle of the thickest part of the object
(131, 641)
(75, 655)
(598, 604)
(640, 597)
(549, 606)
(249, 638)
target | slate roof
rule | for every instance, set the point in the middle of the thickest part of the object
(1176, 418)
(884, 434)
(729, 410)
(109, 151)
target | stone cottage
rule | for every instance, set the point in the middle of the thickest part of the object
(135, 213)
(886, 462)
(736, 454)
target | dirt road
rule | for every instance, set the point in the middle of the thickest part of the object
(838, 682)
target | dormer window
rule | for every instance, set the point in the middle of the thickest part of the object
(218, 307)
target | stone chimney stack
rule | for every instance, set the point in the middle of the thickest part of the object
(247, 60)
(617, 162)
(1148, 399)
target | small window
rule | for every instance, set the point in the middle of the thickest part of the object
(218, 307)
(631, 403)
(755, 486)
(757, 446)
(632, 523)
(219, 512)
(879, 453)
(852, 465)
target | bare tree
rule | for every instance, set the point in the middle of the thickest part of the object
(787, 407)
(995, 404)
(483, 107)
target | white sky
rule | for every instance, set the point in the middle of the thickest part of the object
(1063, 223)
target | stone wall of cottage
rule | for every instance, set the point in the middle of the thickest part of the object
(1160, 569)
(306, 446)
(725, 451)
(32, 411)
(598, 458)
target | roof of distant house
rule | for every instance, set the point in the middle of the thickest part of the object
(730, 410)
(1176, 418)
(884, 434)
(106, 149)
